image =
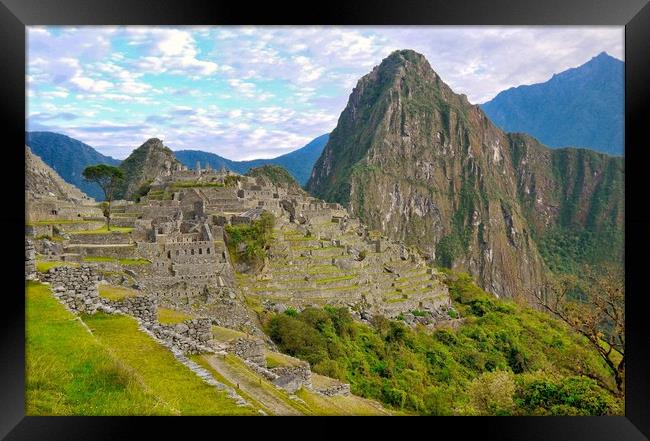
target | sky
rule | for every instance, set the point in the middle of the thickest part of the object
(248, 92)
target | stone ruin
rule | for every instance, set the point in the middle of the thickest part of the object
(321, 256)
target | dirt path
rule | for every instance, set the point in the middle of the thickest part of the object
(275, 404)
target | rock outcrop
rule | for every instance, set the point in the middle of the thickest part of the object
(422, 164)
(149, 161)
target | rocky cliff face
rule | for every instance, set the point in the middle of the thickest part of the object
(425, 166)
(42, 182)
(144, 164)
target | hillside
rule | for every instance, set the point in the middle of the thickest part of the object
(276, 175)
(580, 107)
(420, 163)
(144, 164)
(299, 162)
(68, 157)
(42, 182)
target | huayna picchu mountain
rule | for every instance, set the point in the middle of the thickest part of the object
(419, 162)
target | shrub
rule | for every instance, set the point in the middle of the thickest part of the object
(256, 237)
(291, 311)
(492, 393)
(544, 395)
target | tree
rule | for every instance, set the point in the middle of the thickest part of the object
(595, 308)
(108, 178)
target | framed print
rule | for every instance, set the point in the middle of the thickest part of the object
(372, 209)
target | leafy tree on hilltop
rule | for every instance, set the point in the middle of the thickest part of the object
(108, 178)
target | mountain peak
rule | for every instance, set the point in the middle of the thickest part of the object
(406, 59)
(153, 143)
(405, 55)
(144, 164)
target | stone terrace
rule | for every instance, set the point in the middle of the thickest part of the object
(324, 263)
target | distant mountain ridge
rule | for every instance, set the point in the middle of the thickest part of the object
(299, 162)
(580, 107)
(68, 157)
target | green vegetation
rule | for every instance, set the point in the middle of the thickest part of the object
(159, 371)
(168, 316)
(255, 238)
(142, 191)
(115, 293)
(44, 265)
(69, 372)
(536, 363)
(275, 359)
(231, 180)
(55, 238)
(113, 370)
(97, 259)
(160, 195)
(195, 184)
(58, 222)
(226, 334)
(104, 230)
(567, 251)
(327, 280)
(277, 175)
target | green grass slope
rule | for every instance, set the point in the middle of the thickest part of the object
(106, 368)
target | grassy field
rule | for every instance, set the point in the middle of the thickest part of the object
(115, 293)
(59, 222)
(275, 359)
(44, 265)
(113, 369)
(68, 371)
(168, 316)
(163, 375)
(226, 334)
(99, 259)
(104, 230)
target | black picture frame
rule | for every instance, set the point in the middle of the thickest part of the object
(633, 14)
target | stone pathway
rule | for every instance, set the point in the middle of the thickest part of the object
(268, 400)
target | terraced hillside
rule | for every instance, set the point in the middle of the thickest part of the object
(328, 263)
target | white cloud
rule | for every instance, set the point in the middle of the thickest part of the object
(247, 92)
(90, 85)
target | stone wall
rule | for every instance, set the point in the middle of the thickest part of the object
(249, 349)
(291, 378)
(38, 230)
(119, 251)
(54, 209)
(337, 388)
(76, 287)
(30, 258)
(190, 336)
